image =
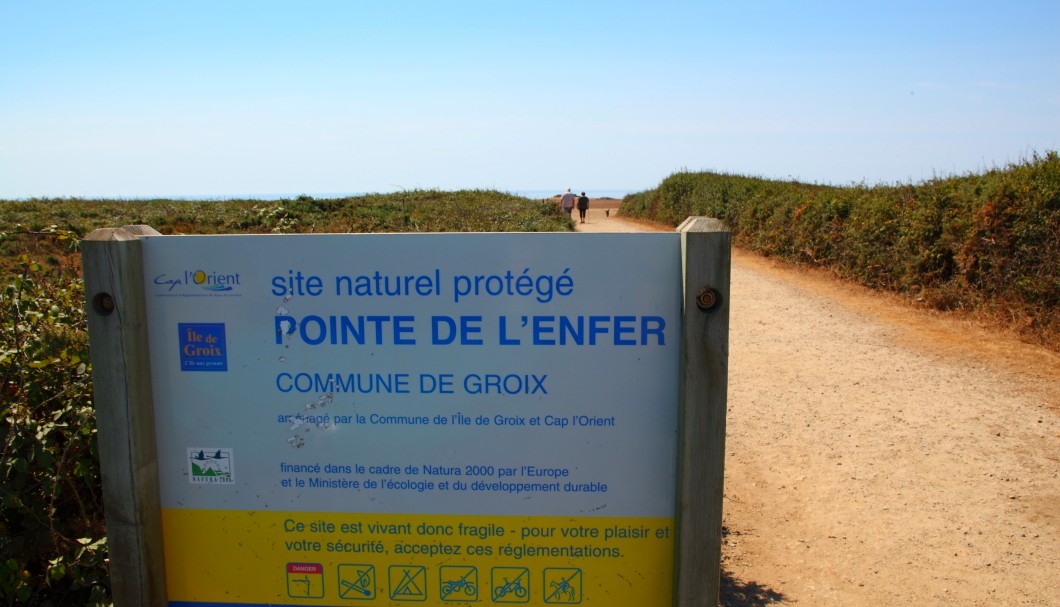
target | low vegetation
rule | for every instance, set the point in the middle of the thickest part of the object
(53, 549)
(987, 244)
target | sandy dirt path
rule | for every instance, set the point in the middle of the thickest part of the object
(879, 455)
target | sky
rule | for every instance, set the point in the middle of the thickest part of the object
(235, 98)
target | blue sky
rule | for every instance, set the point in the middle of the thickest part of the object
(193, 98)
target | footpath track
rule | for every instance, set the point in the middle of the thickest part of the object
(879, 455)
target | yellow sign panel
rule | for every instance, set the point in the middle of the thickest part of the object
(299, 558)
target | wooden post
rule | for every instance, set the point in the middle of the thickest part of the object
(121, 377)
(706, 250)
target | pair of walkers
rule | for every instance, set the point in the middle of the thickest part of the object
(568, 203)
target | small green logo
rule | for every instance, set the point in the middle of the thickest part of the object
(210, 466)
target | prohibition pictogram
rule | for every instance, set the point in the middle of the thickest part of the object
(563, 586)
(511, 584)
(408, 583)
(357, 582)
(458, 583)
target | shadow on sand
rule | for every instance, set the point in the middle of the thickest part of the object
(738, 593)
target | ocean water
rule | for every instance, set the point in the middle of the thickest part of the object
(591, 193)
(532, 194)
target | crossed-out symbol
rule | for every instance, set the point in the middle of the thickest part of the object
(511, 585)
(357, 582)
(458, 583)
(563, 585)
(411, 583)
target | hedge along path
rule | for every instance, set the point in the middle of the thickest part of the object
(879, 455)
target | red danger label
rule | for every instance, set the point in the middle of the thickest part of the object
(304, 568)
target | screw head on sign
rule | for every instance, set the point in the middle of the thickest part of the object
(708, 299)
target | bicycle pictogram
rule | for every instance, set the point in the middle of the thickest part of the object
(511, 584)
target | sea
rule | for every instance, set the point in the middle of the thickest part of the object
(532, 194)
(537, 194)
(591, 193)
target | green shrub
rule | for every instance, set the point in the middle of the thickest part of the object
(53, 548)
(986, 243)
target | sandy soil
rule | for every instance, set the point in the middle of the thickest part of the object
(879, 455)
(602, 217)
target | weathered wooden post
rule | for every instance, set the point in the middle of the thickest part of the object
(706, 250)
(121, 377)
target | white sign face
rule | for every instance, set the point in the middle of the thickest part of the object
(418, 417)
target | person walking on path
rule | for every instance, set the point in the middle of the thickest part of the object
(583, 206)
(567, 202)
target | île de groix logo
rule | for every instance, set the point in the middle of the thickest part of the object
(210, 466)
(202, 346)
(198, 281)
